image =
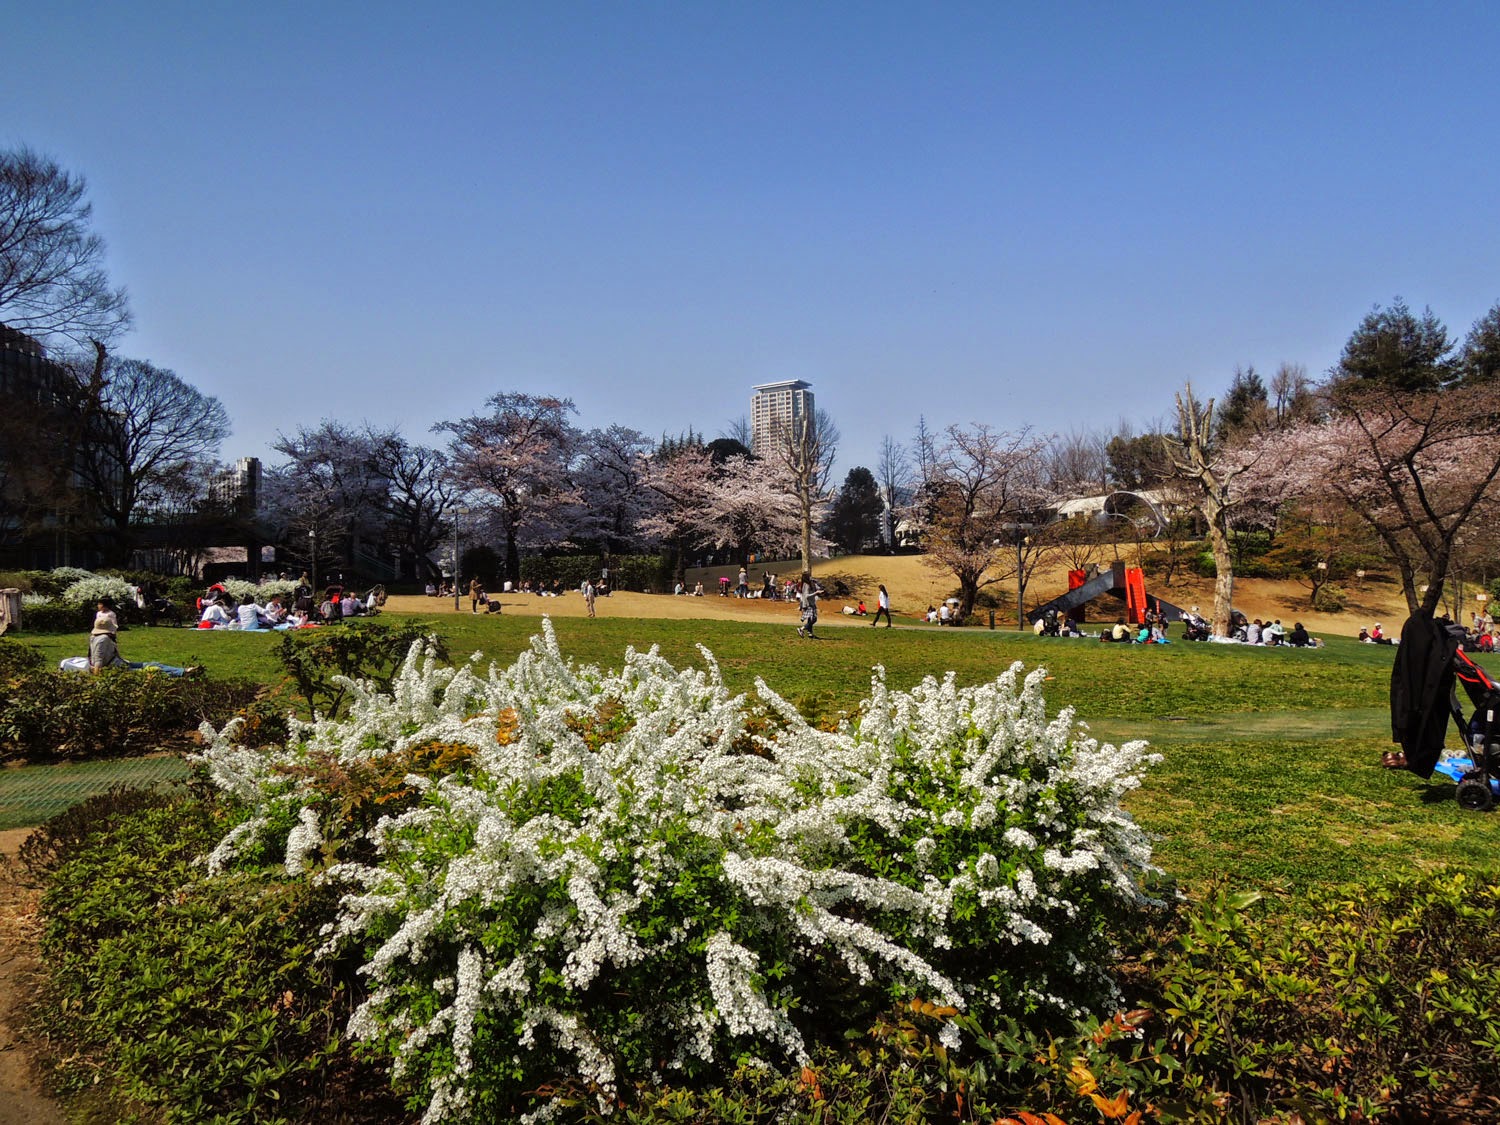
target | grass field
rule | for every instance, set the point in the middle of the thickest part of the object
(1269, 774)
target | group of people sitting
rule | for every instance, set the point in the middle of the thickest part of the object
(1151, 631)
(218, 609)
(1272, 633)
(945, 614)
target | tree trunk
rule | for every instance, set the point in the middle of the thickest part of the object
(1218, 537)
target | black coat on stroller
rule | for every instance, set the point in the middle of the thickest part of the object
(1430, 664)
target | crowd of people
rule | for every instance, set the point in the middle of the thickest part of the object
(218, 609)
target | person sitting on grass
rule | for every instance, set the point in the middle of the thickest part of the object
(104, 652)
(1299, 637)
(215, 616)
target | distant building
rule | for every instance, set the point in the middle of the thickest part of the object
(774, 409)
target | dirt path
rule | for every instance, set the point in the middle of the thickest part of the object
(21, 1099)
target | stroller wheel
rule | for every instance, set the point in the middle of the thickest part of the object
(1473, 793)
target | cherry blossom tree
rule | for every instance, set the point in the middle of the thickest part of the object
(515, 461)
(677, 479)
(1416, 468)
(753, 506)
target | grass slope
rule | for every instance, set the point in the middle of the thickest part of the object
(1269, 773)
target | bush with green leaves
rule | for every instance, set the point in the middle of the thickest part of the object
(49, 714)
(632, 874)
(17, 659)
(324, 663)
(53, 582)
(1356, 1003)
(52, 616)
(178, 998)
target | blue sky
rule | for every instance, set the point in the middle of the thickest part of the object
(1010, 213)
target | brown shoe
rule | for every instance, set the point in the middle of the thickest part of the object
(1393, 760)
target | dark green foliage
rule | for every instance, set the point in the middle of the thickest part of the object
(1245, 406)
(1137, 462)
(56, 618)
(115, 713)
(17, 659)
(1479, 358)
(855, 518)
(192, 998)
(57, 841)
(316, 659)
(483, 563)
(1395, 348)
(649, 573)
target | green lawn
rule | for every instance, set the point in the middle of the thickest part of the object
(1269, 773)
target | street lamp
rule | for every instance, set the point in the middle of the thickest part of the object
(313, 553)
(458, 514)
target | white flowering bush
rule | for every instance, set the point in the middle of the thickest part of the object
(65, 576)
(617, 875)
(87, 591)
(35, 601)
(262, 592)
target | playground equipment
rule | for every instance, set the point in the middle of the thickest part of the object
(1127, 582)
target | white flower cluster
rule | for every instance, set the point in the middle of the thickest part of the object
(636, 864)
(87, 591)
(262, 592)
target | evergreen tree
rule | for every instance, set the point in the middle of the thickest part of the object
(855, 518)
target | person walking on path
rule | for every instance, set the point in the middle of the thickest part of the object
(104, 652)
(807, 605)
(588, 596)
(882, 605)
(475, 589)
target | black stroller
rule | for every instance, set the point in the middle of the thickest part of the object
(1430, 664)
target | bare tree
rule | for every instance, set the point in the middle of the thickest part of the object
(152, 429)
(419, 493)
(805, 449)
(988, 494)
(1217, 484)
(737, 429)
(52, 279)
(1078, 463)
(893, 473)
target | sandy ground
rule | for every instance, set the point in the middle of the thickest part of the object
(22, 1101)
(914, 586)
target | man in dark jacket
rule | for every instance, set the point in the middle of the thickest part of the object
(1421, 690)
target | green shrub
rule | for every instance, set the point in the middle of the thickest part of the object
(649, 573)
(55, 617)
(17, 659)
(1381, 1000)
(117, 712)
(192, 999)
(1331, 599)
(322, 661)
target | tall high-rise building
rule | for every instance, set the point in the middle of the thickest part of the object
(774, 409)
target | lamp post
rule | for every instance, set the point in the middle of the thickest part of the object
(312, 551)
(456, 513)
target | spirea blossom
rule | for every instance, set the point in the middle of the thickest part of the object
(628, 870)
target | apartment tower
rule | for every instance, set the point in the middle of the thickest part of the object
(774, 409)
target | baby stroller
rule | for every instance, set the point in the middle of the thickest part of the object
(1051, 625)
(1430, 665)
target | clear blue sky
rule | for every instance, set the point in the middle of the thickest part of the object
(1012, 213)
